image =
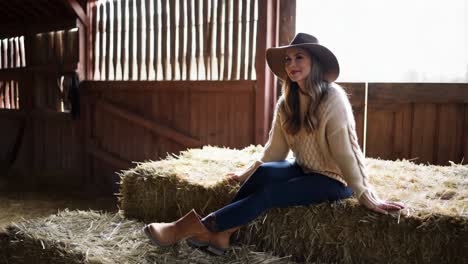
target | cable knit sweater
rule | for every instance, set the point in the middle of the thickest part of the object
(332, 149)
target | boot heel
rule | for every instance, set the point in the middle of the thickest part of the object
(216, 251)
(196, 244)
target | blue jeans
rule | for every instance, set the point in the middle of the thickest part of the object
(275, 184)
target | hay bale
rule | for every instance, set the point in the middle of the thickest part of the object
(434, 229)
(92, 237)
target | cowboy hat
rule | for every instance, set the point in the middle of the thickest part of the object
(275, 57)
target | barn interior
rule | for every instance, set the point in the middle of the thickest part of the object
(90, 89)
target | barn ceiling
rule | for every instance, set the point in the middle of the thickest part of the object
(33, 12)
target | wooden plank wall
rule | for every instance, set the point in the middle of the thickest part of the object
(137, 121)
(357, 94)
(41, 139)
(57, 147)
(427, 122)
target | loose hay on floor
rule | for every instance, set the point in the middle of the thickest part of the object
(92, 237)
(434, 230)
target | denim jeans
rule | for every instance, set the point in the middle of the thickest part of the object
(275, 184)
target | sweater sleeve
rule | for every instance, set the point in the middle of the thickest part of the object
(344, 146)
(276, 148)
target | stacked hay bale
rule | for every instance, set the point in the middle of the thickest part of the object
(433, 229)
(92, 237)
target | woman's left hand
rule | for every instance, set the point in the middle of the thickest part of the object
(371, 201)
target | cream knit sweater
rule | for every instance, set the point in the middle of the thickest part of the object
(331, 150)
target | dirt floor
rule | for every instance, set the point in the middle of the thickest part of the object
(17, 205)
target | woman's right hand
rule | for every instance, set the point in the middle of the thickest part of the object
(235, 177)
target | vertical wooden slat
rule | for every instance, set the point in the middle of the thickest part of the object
(423, 132)
(19, 55)
(7, 95)
(124, 38)
(211, 32)
(139, 44)
(450, 134)
(149, 37)
(12, 50)
(10, 53)
(250, 57)
(108, 41)
(465, 138)
(227, 39)
(380, 132)
(131, 40)
(206, 38)
(156, 37)
(115, 46)
(181, 40)
(173, 29)
(211, 42)
(402, 139)
(102, 41)
(164, 36)
(235, 40)
(17, 95)
(5, 53)
(95, 34)
(12, 95)
(243, 39)
(267, 11)
(23, 50)
(189, 40)
(219, 27)
(197, 34)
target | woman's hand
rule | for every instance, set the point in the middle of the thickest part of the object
(371, 201)
(235, 177)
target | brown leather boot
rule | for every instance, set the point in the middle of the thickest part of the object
(168, 234)
(215, 243)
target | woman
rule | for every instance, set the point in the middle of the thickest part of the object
(314, 119)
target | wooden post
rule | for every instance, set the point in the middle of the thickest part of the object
(266, 37)
(286, 32)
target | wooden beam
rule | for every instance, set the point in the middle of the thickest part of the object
(397, 93)
(266, 38)
(11, 74)
(236, 87)
(160, 130)
(79, 12)
(107, 157)
(15, 30)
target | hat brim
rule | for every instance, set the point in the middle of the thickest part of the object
(331, 69)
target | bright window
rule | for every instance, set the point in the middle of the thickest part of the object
(391, 41)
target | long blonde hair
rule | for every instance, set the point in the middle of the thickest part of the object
(316, 88)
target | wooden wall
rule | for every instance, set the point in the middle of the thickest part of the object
(137, 121)
(41, 143)
(427, 122)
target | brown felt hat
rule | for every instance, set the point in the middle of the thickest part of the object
(275, 57)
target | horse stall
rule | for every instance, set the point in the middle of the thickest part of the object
(116, 113)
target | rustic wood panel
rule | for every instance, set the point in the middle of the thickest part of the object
(129, 120)
(417, 121)
(464, 136)
(449, 140)
(57, 150)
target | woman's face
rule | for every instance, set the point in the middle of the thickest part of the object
(297, 64)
